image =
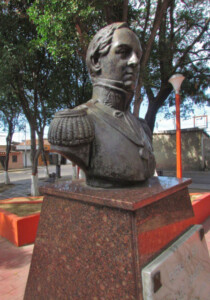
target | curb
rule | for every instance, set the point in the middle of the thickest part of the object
(18, 230)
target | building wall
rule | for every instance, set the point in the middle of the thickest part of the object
(206, 152)
(15, 161)
(192, 150)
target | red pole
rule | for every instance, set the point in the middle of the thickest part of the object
(178, 140)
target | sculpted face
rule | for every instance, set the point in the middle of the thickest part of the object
(122, 61)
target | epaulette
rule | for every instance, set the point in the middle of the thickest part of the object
(71, 127)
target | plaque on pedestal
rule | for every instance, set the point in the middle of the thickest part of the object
(181, 272)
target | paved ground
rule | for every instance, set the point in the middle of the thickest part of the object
(14, 268)
(200, 180)
(15, 261)
(21, 180)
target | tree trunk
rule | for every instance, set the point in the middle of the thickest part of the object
(34, 160)
(6, 177)
(34, 185)
(34, 178)
(151, 114)
(161, 8)
(33, 149)
(155, 103)
(8, 149)
(44, 158)
(125, 11)
(46, 166)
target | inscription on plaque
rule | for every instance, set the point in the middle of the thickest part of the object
(181, 272)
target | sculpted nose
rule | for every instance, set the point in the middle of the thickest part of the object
(133, 60)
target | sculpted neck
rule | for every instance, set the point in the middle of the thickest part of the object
(112, 94)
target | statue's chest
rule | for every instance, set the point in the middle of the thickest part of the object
(114, 154)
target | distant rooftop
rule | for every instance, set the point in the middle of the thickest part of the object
(28, 142)
(173, 131)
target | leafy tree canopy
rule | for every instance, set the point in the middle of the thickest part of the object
(41, 84)
(9, 120)
(173, 35)
(10, 111)
(67, 26)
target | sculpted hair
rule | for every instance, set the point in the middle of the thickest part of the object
(100, 45)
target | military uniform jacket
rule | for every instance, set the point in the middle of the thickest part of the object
(119, 151)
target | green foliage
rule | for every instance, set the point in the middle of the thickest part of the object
(45, 53)
(41, 84)
(38, 83)
(67, 26)
(9, 118)
(9, 111)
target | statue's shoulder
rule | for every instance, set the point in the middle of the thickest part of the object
(71, 127)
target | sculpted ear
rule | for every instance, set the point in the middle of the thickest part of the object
(96, 62)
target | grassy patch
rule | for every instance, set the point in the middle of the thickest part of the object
(24, 199)
(195, 197)
(22, 209)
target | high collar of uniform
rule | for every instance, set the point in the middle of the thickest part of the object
(112, 93)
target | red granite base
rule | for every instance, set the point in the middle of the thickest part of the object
(92, 243)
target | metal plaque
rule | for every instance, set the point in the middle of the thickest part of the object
(181, 272)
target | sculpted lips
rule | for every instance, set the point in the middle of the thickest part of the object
(129, 76)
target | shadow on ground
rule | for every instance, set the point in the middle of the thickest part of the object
(13, 257)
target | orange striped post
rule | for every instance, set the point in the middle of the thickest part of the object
(176, 81)
(178, 139)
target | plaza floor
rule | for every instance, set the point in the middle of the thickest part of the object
(14, 268)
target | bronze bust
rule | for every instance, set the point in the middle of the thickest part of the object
(102, 136)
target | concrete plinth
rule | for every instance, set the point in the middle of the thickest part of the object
(93, 243)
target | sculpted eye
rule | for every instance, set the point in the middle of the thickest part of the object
(124, 51)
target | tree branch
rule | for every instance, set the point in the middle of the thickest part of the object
(181, 60)
(146, 21)
(157, 21)
(81, 38)
(161, 8)
(125, 11)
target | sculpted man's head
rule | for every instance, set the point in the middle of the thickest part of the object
(114, 54)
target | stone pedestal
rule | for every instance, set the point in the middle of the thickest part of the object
(93, 243)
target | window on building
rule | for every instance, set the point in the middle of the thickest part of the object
(14, 158)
